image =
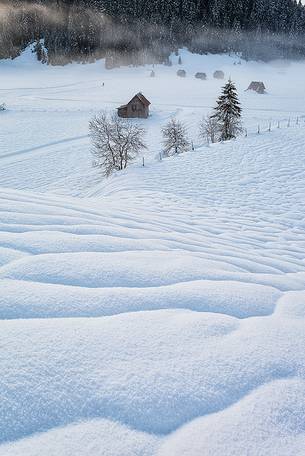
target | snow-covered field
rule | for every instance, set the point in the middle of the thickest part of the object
(160, 312)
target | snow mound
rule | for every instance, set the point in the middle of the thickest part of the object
(130, 269)
(87, 368)
(268, 421)
(291, 305)
(44, 300)
(94, 437)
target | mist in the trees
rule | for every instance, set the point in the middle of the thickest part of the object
(140, 32)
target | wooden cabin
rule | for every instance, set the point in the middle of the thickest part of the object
(257, 86)
(138, 106)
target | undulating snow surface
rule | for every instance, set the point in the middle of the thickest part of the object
(160, 312)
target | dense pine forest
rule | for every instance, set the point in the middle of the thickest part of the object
(137, 31)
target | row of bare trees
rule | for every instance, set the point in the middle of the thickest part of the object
(117, 142)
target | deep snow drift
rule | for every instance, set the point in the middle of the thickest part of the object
(160, 312)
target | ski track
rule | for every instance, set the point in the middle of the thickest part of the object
(43, 146)
(160, 312)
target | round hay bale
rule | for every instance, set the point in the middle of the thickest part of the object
(200, 75)
(181, 73)
(219, 74)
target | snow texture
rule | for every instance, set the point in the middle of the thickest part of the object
(160, 312)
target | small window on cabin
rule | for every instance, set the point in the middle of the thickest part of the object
(134, 107)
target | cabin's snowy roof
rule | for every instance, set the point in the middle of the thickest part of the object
(257, 84)
(141, 97)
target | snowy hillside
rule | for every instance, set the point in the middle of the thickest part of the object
(160, 312)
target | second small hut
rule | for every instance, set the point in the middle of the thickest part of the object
(257, 86)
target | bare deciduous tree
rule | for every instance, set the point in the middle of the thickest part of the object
(116, 142)
(175, 138)
(209, 129)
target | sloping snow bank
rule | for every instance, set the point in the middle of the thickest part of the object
(94, 437)
(44, 300)
(270, 421)
(193, 268)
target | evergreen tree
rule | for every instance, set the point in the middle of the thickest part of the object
(228, 113)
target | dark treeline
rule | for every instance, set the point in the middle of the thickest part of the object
(137, 31)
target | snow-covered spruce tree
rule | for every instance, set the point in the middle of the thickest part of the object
(228, 113)
(116, 142)
(175, 140)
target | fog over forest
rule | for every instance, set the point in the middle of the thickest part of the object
(137, 31)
